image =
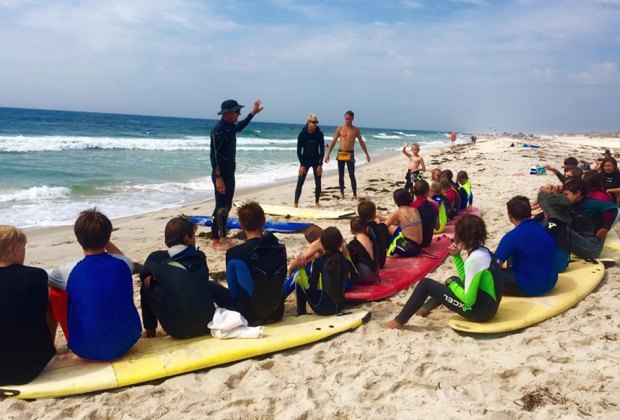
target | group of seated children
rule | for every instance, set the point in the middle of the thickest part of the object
(574, 218)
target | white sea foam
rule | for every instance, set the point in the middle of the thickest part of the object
(59, 143)
(385, 136)
(41, 193)
(400, 133)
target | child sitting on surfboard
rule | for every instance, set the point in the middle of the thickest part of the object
(256, 270)
(474, 294)
(103, 320)
(437, 196)
(530, 251)
(324, 287)
(377, 231)
(27, 344)
(176, 290)
(406, 227)
(464, 188)
(364, 253)
(428, 209)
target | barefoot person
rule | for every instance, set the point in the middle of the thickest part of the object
(347, 134)
(310, 151)
(223, 150)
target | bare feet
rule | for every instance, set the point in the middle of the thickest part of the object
(355, 197)
(342, 196)
(295, 205)
(222, 244)
(150, 333)
(317, 204)
(393, 324)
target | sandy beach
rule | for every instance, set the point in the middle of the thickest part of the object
(565, 367)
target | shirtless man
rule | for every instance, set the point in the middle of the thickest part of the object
(416, 165)
(347, 134)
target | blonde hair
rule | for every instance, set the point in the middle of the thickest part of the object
(312, 117)
(11, 239)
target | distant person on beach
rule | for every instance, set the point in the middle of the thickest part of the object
(176, 290)
(453, 138)
(473, 139)
(103, 320)
(324, 287)
(529, 252)
(26, 344)
(406, 227)
(415, 165)
(347, 134)
(223, 150)
(256, 270)
(310, 152)
(474, 293)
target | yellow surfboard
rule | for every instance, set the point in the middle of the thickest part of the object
(302, 213)
(161, 357)
(515, 313)
(611, 249)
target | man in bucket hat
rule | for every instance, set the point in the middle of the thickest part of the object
(223, 151)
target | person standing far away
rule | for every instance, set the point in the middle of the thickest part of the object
(310, 151)
(223, 151)
(453, 138)
(347, 134)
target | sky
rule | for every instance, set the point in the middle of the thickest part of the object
(466, 65)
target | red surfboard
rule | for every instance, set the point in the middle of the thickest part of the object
(400, 273)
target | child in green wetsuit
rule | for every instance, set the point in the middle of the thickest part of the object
(474, 294)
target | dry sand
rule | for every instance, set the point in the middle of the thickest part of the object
(567, 366)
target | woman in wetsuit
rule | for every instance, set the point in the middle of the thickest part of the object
(310, 151)
(405, 225)
(474, 294)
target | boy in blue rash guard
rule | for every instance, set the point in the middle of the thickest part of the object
(324, 287)
(475, 294)
(464, 187)
(103, 321)
(529, 251)
(256, 269)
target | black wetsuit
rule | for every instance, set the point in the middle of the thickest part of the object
(310, 152)
(26, 344)
(367, 267)
(350, 168)
(223, 153)
(182, 312)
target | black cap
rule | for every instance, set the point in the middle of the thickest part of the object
(230, 105)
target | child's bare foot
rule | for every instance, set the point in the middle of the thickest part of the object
(393, 324)
(221, 245)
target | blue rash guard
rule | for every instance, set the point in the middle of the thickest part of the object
(103, 321)
(530, 249)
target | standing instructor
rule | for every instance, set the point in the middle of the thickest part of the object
(223, 151)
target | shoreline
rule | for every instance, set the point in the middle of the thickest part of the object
(566, 366)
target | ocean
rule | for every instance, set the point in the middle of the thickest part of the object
(54, 164)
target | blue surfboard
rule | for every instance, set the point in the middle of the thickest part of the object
(270, 225)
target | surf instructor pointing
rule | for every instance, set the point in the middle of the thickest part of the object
(223, 152)
(347, 134)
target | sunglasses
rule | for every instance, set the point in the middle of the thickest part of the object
(314, 122)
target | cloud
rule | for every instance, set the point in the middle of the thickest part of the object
(597, 74)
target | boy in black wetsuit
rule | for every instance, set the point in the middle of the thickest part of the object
(182, 301)
(256, 269)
